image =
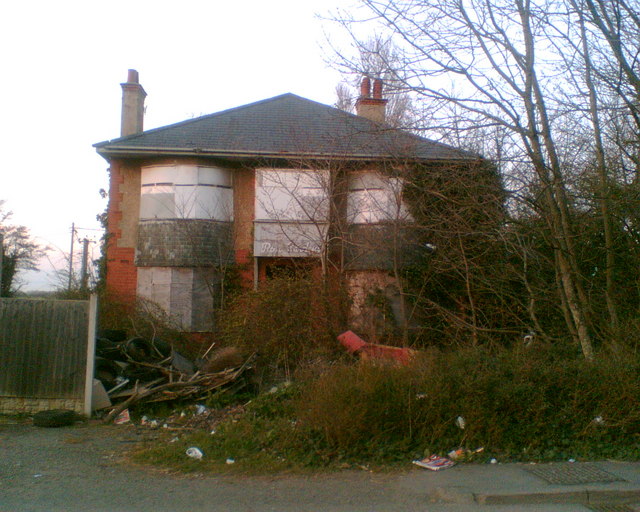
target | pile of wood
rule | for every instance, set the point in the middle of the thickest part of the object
(137, 371)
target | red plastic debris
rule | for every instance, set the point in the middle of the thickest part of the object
(367, 351)
(351, 341)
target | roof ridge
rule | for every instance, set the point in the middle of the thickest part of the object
(284, 125)
(202, 118)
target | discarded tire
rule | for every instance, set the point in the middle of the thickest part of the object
(106, 371)
(114, 335)
(55, 418)
(108, 349)
(138, 349)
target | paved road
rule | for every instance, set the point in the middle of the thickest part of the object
(82, 469)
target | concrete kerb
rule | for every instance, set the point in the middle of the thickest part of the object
(584, 497)
(460, 496)
(513, 484)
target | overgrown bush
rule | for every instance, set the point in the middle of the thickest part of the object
(521, 404)
(542, 403)
(287, 322)
(144, 318)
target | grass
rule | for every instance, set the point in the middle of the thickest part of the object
(14, 419)
(263, 440)
(543, 404)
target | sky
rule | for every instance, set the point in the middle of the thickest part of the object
(63, 63)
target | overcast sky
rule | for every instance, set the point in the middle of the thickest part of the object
(63, 63)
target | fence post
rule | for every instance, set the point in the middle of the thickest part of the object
(91, 348)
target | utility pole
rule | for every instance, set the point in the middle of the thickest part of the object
(73, 232)
(84, 275)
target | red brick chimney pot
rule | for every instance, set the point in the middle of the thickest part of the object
(365, 88)
(377, 89)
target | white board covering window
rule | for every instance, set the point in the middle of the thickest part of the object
(374, 198)
(186, 192)
(292, 212)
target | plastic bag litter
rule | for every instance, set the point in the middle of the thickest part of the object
(462, 454)
(434, 463)
(194, 453)
(122, 418)
(457, 454)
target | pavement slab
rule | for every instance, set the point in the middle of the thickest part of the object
(613, 508)
(588, 483)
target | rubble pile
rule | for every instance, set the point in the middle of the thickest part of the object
(194, 417)
(137, 370)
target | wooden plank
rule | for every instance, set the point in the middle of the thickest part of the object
(43, 348)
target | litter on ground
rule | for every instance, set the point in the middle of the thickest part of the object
(434, 463)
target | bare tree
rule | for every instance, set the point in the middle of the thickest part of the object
(618, 21)
(488, 58)
(377, 57)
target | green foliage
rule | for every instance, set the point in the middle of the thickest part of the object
(19, 252)
(265, 440)
(75, 293)
(227, 397)
(101, 262)
(532, 244)
(544, 403)
(537, 404)
(459, 282)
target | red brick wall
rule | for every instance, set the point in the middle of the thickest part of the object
(122, 275)
(244, 213)
(245, 267)
(121, 271)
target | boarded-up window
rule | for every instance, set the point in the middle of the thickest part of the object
(185, 294)
(289, 239)
(284, 195)
(374, 198)
(292, 212)
(186, 192)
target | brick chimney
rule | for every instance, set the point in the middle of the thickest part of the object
(133, 96)
(372, 107)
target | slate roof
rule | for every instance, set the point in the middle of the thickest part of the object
(285, 126)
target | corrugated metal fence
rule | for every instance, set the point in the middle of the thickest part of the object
(46, 354)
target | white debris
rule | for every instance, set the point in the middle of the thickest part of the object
(194, 453)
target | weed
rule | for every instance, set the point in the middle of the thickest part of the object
(542, 405)
(287, 322)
